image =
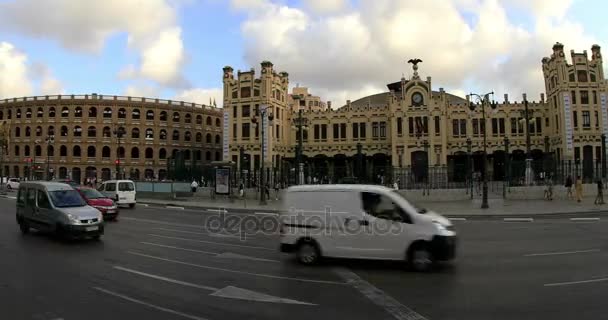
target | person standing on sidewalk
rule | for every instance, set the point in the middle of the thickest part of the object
(194, 185)
(241, 189)
(548, 187)
(276, 190)
(568, 186)
(599, 199)
(579, 189)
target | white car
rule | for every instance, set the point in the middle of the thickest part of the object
(12, 184)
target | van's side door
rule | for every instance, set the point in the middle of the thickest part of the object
(21, 207)
(110, 191)
(44, 210)
(351, 232)
(31, 211)
(126, 191)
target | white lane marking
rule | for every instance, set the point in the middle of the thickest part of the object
(558, 284)
(173, 207)
(144, 205)
(518, 219)
(379, 297)
(174, 224)
(178, 248)
(267, 214)
(216, 210)
(235, 271)
(12, 198)
(584, 219)
(212, 242)
(230, 255)
(230, 292)
(560, 253)
(211, 234)
(118, 295)
(458, 219)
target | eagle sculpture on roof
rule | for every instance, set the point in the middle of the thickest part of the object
(414, 61)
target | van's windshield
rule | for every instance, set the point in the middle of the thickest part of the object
(418, 208)
(66, 199)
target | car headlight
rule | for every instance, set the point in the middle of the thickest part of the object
(73, 219)
(442, 227)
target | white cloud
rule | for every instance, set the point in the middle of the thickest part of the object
(142, 90)
(85, 26)
(351, 52)
(326, 6)
(14, 80)
(201, 96)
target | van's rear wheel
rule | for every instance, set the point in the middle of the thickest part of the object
(24, 226)
(131, 205)
(308, 253)
(420, 258)
(8, 186)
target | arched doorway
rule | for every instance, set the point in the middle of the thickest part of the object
(76, 175)
(319, 167)
(588, 163)
(380, 168)
(106, 174)
(149, 174)
(518, 167)
(91, 172)
(162, 174)
(340, 168)
(16, 171)
(63, 173)
(537, 162)
(420, 161)
(498, 168)
(457, 167)
(134, 174)
(26, 173)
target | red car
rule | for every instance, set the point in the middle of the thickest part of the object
(97, 200)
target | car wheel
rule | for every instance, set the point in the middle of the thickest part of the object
(420, 258)
(24, 226)
(131, 205)
(96, 237)
(308, 253)
(8, 186)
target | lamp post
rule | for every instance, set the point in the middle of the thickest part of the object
(483, 100)
(469, 165)
(264, 113)
(300, 124)
(507, 169)
(526, 115)
(119, 133)
(603, 155)
(3, 147)
(425, 144)
(49, 141)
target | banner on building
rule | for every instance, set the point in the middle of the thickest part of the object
(226, 136)
(568, 121)
(265, 132)
(603, 104)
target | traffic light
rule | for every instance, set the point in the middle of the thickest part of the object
(117, 162)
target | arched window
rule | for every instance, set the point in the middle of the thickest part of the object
(16, 150)
(64, 131)
(52, 112)
(50, 151)
(208, 138)
(217, 156)
(77, 131)
(187, 136)
(76, 152)
(65, 112)
(199, 137)
(17, 132)
(197, 155)
(28, 131)
(174, 153)
(199, 119)
(92, 132)
(175, 135)
(107, 113)
(92, 112)
(149, 153)
(91, 152)
(121, 152)
(40, 112)
(208, 155)
(163, 116)
(135, 114)
(150, 115)
(38, 131)
(163, 134)
(122, 113)
(135, 153)
(162, 154)
(217, 138)
(38, 151)
(135, 133)
(1, 115)
(105, 152)
(149, 134)
(188, 118)
(175, 116)
(50, 131)
(107, 133)
(63, 151)
(78, 112)
(28, 113)
(218, 123)
(27, 151)
(18, 113)
(186, 154)
(208, 121)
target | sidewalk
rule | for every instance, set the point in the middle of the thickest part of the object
(464, 208)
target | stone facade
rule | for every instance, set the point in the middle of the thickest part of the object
(85, 143)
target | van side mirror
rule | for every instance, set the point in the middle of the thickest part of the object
(402, 216)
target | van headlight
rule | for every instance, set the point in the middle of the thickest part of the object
(73, 219)
(442, 227)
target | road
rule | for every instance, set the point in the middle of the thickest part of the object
(171, 264)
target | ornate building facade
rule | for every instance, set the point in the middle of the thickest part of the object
(414, 125)
(77, 136)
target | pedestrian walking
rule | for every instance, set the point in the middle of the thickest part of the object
(599, 199)
(579, 189)
(241, 189)
(276, 190)
(548, 188)
(267, 190)
(568, 186)
(194, 186)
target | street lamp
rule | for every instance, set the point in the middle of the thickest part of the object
(603, 155)
(425, 144)
(483, 100)
(265, 114)
(300, 124)
(118, 133)
(526, 115)
(507, 168)
(49, 141)
(469, 165)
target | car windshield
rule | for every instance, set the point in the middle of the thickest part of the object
(418, 208)
(66, 198)
(92, 194)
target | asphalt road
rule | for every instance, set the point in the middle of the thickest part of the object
(171, 264)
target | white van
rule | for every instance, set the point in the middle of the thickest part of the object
(362, 222)
(121, 191)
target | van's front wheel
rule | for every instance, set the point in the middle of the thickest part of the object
(420, 258)
(24, 226)
(131, 205)
(308, 253)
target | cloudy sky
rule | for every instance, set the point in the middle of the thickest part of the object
(342, 49)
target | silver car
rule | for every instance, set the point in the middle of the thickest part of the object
(58, 208)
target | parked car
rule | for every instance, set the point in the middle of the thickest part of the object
(57, 208)
(12, 184)
(362, 222)
(99, 201)
(121, 191)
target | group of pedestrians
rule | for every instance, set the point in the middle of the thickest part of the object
(578, 190)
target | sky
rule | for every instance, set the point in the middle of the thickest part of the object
(340, 49)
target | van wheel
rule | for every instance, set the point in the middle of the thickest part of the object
(96, 237)
(24, 226)
(131, 205)
(308, 253)
(8, 186)
(420, 258)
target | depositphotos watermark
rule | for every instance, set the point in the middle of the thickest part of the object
(306, 222)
